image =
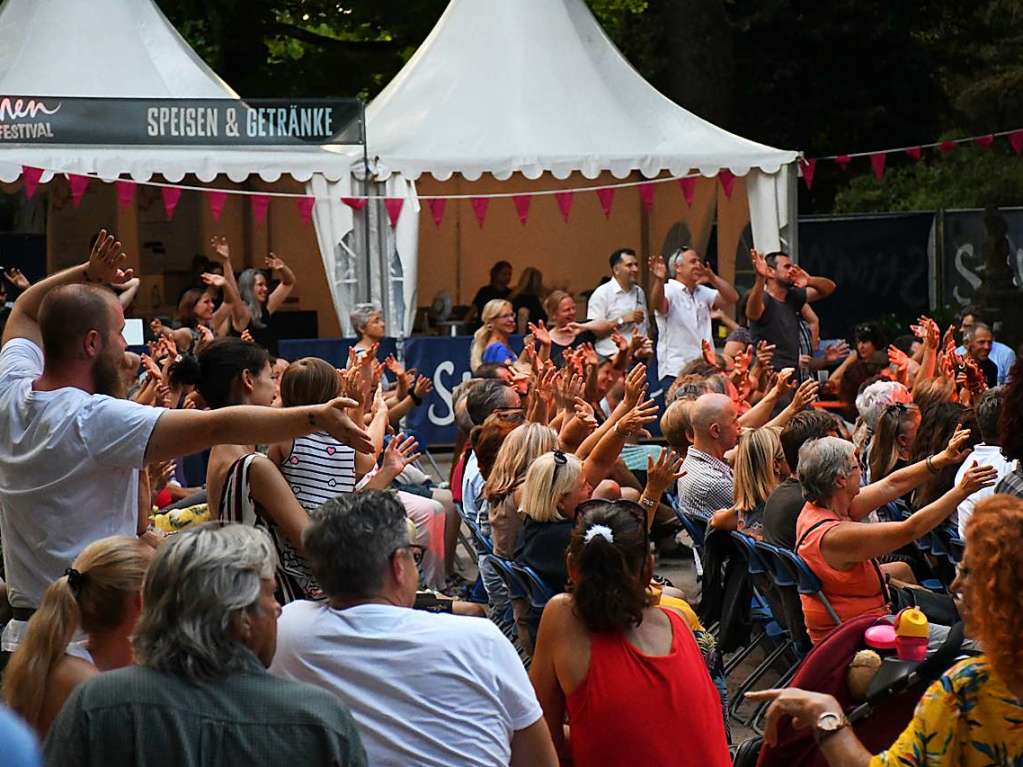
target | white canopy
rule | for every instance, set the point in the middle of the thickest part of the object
(535, 86)
(125, 48)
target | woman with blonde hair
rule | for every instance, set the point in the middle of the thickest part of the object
(970, 716)
(759, 468)
(101, 594)
(503, 489)
(490, 342)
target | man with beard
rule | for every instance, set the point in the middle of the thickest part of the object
(71, 448)
(776, 304)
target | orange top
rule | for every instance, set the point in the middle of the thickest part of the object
(853, 592)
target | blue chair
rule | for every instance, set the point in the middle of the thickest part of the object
(506, 569)
(537, 592)
(956, 547)
(807, 581)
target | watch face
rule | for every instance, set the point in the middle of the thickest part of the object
(829, 722)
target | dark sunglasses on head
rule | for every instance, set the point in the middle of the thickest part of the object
(560, 459)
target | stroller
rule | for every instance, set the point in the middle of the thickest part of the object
(878, 721)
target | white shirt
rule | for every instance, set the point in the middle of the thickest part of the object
(472, 488)
(424, 688)
(681, 331)
(609, 302)
(982, 455)
(69, 464)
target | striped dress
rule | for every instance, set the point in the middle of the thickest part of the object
(319, 468)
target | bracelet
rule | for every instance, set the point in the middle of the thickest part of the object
(415, 398)
(930, 465)
(647, 503)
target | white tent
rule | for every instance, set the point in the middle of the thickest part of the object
(127, 48)
(536, 86)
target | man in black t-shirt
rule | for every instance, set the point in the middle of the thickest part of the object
(777, 301)
(498, 287)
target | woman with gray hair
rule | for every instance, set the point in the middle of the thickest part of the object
(843, 552)
(207, 633)
(261, 302)
(368, 324)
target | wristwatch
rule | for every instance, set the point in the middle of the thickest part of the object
(620, 322)
(828, 724)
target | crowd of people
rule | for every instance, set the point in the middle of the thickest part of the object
(301, 598)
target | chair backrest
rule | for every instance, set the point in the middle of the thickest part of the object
(536, 590)
(748, 547)
(694, 525)
(517, 589)
(808, 583)
(482, 539)
(780, 570)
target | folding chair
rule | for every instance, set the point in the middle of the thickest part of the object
(807, 581)
(536, 590)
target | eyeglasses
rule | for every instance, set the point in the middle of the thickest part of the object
(414, 549)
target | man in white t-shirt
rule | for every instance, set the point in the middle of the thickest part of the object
(682, 308)
(71, 448)
(426, 689)
(618, 305)
(987, 453)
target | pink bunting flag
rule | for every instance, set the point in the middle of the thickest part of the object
(809, 167)
(437, 207)
(607, 198)
(355, 203)
(216, 198)
(1016, 141)
(646, 195)
(914, 152)
(877, 164)
(688, 185)
(985, 142)
(260, 204)
(522, 203)
(30, 177)
(305, 208)
(843, 161)
(171, 195)
(564, 200)
(727, 179)
(946, 146)
(479, 207)
(78, 185)
(394, 206)
(125, 193)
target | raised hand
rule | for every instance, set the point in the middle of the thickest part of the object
(635, 385)
(708, 353)
(977, 478)
(333, 419)
(247, 336)
(274, 263)
(662, 473)
(221, 250)
(956, 450)
(213, 280)
(152, 368)
(783, 384)
(637, 418)
(400, 452)
(540, 333)
(584, 411)
(805, 395)
(897, 357)
(619, 341)
(800, 279)
(765, 354)
(393, 365)
(16, 278)
(159, 475)
(106, 261)
(759, 264)
(423, 386)
(205, 338)
(658, 268)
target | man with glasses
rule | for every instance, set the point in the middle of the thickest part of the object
(618, 305)
(424, 688)
(682, 308)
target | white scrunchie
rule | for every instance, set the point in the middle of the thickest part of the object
(602, 530)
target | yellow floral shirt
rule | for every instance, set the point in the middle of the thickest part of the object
(968, 718)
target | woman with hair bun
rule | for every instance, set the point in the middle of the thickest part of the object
(628, 672)
(101, 594)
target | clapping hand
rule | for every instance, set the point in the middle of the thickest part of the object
(635, 385)
(274, 263)
(400, 452)
(423, 386)
(708, 353)
(16, 278)
(658, 268)
(106, 261)
(759, 264)
(540, 333)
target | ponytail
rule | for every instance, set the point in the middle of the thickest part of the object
(49, 631)
(91, 595)
(609, 551)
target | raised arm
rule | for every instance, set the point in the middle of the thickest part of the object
(851, 542)
(285, 285)
(233, 305)
(127, 291)
(816, 287)
(658, 274)
(727, 294)
(105, 266)
(183, 432)
(755, 304)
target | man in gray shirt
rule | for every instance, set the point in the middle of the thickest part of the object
(201, 693)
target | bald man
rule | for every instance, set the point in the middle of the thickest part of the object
(706, 483)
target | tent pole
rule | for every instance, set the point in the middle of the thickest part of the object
(368, 291)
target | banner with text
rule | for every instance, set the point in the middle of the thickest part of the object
(180, 122)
